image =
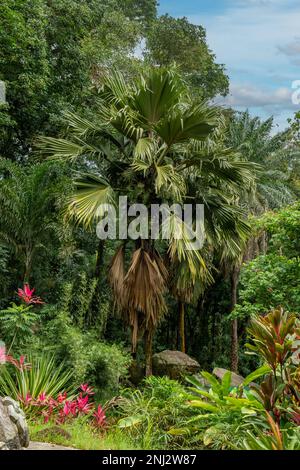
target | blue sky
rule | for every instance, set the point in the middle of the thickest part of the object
(259, 43)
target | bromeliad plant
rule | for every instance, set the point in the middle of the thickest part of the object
(20, 363)
(34, 376)
(18, 321)
(45, 390)
(63, 409)
(27, 295)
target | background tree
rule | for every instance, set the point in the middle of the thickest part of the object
(274, 187)
(50, 53)
(176, 40)
(27, 198)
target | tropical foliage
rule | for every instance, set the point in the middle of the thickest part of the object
(109, 105)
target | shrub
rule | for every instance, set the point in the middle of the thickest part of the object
(102, 365)
(233, 418)
(273, 438)
(147, 414)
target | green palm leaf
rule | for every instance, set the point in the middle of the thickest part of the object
(90, 200)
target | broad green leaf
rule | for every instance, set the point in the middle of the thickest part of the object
(130, 421)
(261, 371)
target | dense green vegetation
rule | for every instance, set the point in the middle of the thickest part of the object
(108, 99)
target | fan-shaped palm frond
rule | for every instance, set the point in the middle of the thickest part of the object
(157, 94)
(91, 199)
(196, 122)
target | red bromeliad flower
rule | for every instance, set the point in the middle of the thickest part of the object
(99, 416)
(86, 389)
(70, 407)
(42, 398)
(27, 400)
(62, 397)
(18, 363)
(26, 294)
(83, 404)
(2, 354)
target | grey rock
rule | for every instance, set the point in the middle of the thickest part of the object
(3, 446)
(14, 433)
(202, 381)
(47, 446)
(8, 401)
(174, 364)
(236, 380)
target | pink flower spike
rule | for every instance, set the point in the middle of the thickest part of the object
(42, 397)
(99, 416)
(28, 398)
(86, 389)
(62, 397)
(83, 405)
(26, 294)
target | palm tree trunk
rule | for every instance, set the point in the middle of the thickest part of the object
(148, 352)
(181, 326)
(28, 265)
(234, 346)
(234, 325)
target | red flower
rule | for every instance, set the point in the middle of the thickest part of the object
(86, 389)
(42, 398)
(83, 404)
(28, 399)
(2, 354)
(26, 294)
(70, 408)
(62, 397)
(18, 363)
(99, 416)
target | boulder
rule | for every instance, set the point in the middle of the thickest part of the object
(236, 380)
(14, 432)
(174, 364)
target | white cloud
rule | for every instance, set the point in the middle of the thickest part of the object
(247, 95)
(292, 51)
(250, 35)
(250, 38)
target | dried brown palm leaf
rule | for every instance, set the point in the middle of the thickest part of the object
(161, 265)
(116, 277)
(144, 286)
